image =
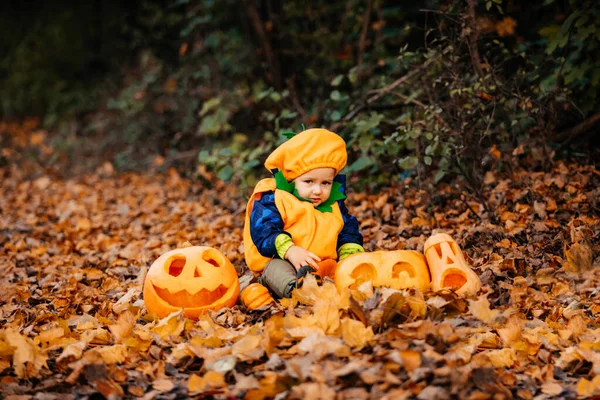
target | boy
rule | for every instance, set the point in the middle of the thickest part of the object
(298, 218)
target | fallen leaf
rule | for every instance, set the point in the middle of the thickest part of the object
(209, 381)
(480, 309)
(28, 359)
(579, 257)
(356, 334)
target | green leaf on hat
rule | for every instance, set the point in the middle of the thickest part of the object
(336, 194)
(290, 135)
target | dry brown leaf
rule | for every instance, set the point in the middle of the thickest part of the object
(579, 257)
(356, 334)
(312, 390)
(248, 348)
(209, 381)
(163, 385)
(552, 388)
(28, 359)
(502, 358)
(172, 324)
(480, 309)
(124, 326)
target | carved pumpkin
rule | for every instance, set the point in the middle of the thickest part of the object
(255, 296)
(395, 269)
(196, 279)
(448, 266)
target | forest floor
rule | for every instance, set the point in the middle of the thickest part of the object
(74, 253)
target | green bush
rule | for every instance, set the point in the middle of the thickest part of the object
(436, 87)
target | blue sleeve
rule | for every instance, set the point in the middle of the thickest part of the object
(350, 232)
(265, 224)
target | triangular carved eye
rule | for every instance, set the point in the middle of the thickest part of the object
(175, 265)
(213, 257)
(455, 251)
(438, 249)
(212, 262)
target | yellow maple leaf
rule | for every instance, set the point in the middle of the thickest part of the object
(124, 326)
(248, 348)
(502, 358)
(480, 309)
(209, 381)
(355, 334)
(28, 359)
(579, 257)
(172, 324)
(410, 359)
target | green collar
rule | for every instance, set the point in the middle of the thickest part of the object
(282, 184)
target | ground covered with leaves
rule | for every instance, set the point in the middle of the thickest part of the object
(74, 253)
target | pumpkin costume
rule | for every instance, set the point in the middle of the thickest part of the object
(277, 218)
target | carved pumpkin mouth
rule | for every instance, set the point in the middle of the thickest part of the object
(184, 299)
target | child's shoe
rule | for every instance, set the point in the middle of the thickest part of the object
(303, 272)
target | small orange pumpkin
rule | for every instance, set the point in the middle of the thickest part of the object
(256, 295)
(195, 279)
(327, 268)
(396, 269)
(448, 266)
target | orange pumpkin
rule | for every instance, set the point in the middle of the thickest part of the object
(256, 295)
(195, 279)
(327, 268)
(396, 269)
(448, 266)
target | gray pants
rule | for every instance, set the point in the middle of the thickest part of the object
(280, 277)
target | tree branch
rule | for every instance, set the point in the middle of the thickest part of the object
(264, 41)
(571, 134)
(363, 35)
(474, 37)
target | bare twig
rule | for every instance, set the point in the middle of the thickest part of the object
(473, 38)
(377, 94)
(294, 96)
(416, 102)
(363, 35)
(386, 89)
(573, 133)
(264, 41)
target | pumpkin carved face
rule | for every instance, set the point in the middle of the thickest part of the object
(195, 278)
(448, 266)
(395, 269)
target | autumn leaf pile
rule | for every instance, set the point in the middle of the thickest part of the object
(74, 253)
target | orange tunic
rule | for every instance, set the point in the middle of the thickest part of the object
(310, 228)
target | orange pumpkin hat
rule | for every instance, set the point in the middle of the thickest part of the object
(308, 150)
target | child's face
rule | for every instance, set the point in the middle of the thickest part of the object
(315, 185)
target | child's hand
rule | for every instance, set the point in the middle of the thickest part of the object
(300, 257)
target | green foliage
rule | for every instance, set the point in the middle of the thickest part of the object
(413, 88)
(574, 47)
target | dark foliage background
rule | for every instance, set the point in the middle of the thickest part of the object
(451, 88)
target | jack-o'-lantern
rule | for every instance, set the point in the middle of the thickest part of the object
(256, 295)
(448, 266)
(195, 279)
(395, 269)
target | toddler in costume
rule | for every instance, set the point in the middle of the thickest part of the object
(298, 218)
